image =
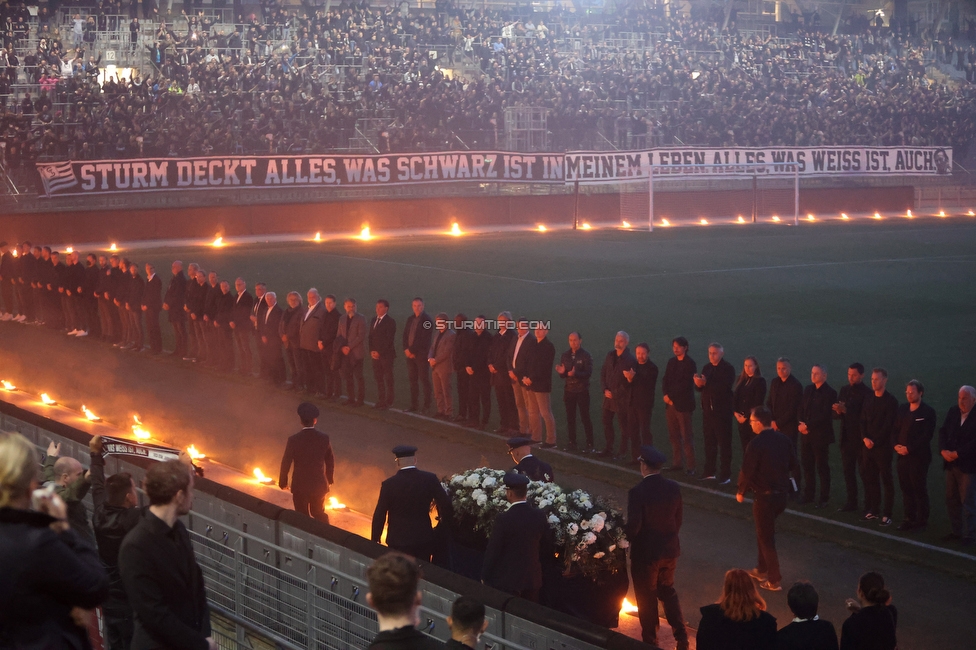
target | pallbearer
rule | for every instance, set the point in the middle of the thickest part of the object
(520, 448)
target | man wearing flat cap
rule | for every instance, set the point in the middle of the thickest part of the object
(404, 507)
(520, 448)
(311, 453)
(654, 512)
(519, 539)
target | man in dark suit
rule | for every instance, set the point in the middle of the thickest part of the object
(769, 461)
(133, 307)
(498, 371)
(877, 433)
(519, 540)
(715, 385)
(957, 445)
(196, 303)
(382, 333)
(848, 411)
(310, 358)
(352, 332)
(268, 332)
(518, 355)
(678, 387)
(538, 382)
(331, 376)
(615, 379)
(576, 367)
(914, 428)
(160, 573)
(654, 514)
(816, 427)
(474, 364)
(223, 316)
(88, 296)
(211, 334)
(520, 449)
(173, 304)
(643, 391)
(311, 453)
(258, 310)
(152, 304)
(785, 395)
(404, 507)
(242, 326)
(417, 334)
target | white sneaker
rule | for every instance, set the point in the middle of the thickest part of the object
(81, 333)
(72, 332)
(21, 318)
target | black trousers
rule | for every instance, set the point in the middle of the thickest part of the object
(204, 352)
(876, 474)
(642, 420)
(242, 342)
(578, 401)
(352, 373)
(479, 398)
(628, 433)
(420, 551)
(153, 331)
(814, 457)
(913, 473)
(765, 509)
(718, 444)
(136, 336)
(745, 434)
(312, 505)
(505, 398)
(331, 379)
(654, 582)
(418, 371)
(179, 333)
(383, 373)
(272, 363)
(310, 370)
(7, 296)
(850, 459)
(91, 314)
(463, 390)
(225, 346)
(119, 631)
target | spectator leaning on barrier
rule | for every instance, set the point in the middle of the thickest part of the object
(71, 482)
(50, 578)
(159, 570)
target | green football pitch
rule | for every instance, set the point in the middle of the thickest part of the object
(894, 293)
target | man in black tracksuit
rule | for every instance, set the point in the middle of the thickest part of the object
(715, 385)
(877, 433)
(914, 428)
(848, 411)
(816, 427)
(769, 460)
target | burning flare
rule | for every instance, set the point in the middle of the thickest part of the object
(334, 504)
(542, 228)
(318, 236)
(47, 399)
(843, 215)
(665, 222)
(218, 242)
(88, 414)
(69, 250)
(942, 213)
(364, 234)
(877, 215)
(138, 431)
(626, 224)
(810, 217)
(704, 222)
(194, 454)
(8, 386)
(259, 475)
(628, 608)
(455, 229)
(586, 226)
(113, 248)
(775, 218)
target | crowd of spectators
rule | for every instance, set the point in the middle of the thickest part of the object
(288, 81)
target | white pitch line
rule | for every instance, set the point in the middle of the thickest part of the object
(750, 269)
(432, 268)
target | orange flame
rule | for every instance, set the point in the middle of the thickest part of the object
(740, 219)
(843, 215)
(88, 414)
(194, 454)
(260, 476)
(365, 234)
(456, 229)
(704, 222)
(586, 226)
(628, 608)
(626, 224)
(8, 386)
(47, 399)
(138, 431)
(665, 222)
(113, 248)
(318, 236)
(542, 228)
(218, 242)
(334, 504)
(775, 218)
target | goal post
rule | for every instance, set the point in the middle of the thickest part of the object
(743, 192)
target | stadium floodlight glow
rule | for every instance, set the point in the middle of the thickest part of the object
(261, 478)
(542, 227)
(586, 226)
(665, 222)
(365, 234)
(113, 247)
(194, 454)
(318, 237)
(46, 399)
(704, 221)
(775, 218)
(218, 242)
(455, 229)
(138, 431)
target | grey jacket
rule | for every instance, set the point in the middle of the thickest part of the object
(354, 333)
(442, 350)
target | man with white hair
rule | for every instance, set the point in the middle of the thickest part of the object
(619, 368)
(957, 444)
(310, 361)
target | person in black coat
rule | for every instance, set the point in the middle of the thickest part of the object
(785, 395)
(715, 385)
(616, 375)
(223, 317)
(416, 345)
(133, 308)
(848, 411)
(873, 621)
(519, 539)
(404, 507)
(878, 417)
(678, 388)
(311, 452)
(173, 303)
(195, 307)
(537, 379)
(290, 333)
(462, 338)
(332, 376)
(152, 304)
(268, 328)
(643, 392)
(739, 620)
(88, 296)
(517, 357)
(816, 428)
(654, 515)
(160, 573)
(520, 449)
(498, 373)
(382, 334)
(748, 393)
(576, 367)
(241, 325)
(474, 363)
(957, 445)
(807, 631)
(914, 428)
(47, 568)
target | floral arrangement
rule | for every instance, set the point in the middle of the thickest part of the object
(588, 531)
